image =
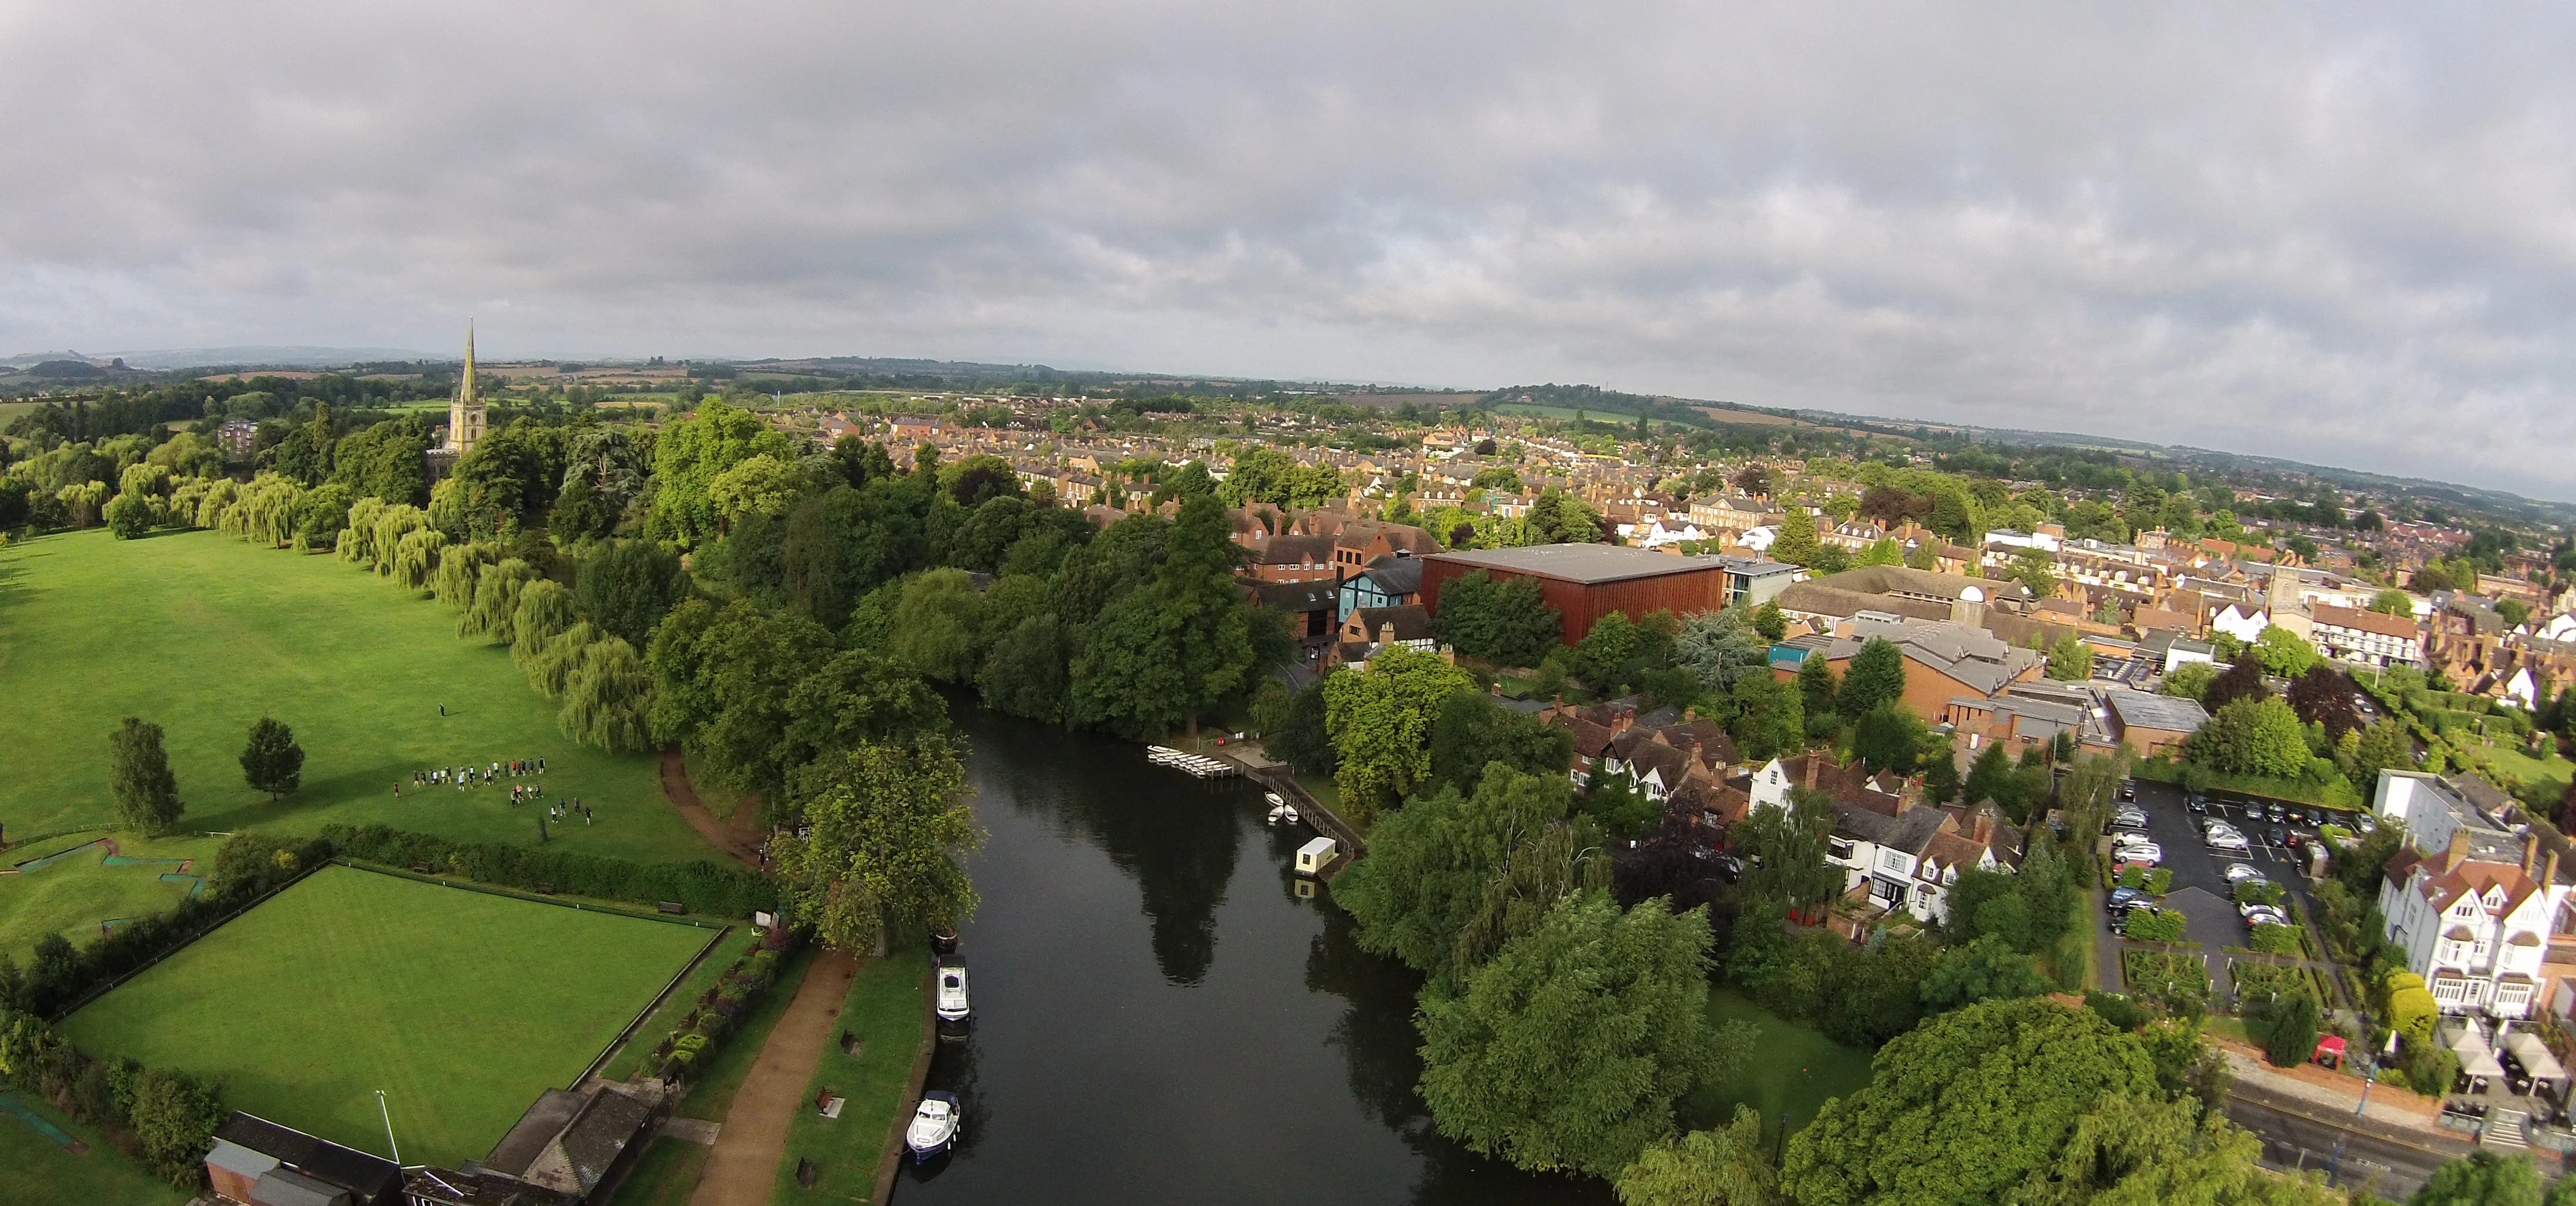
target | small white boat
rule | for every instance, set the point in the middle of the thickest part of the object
(952, 1005)
(934, 1127)
(1282, 812)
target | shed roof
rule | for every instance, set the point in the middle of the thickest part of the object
(372, 1178)
(2171, 713)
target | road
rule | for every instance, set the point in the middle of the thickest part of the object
(2298, 1141)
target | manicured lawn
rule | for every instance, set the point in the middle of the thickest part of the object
(72, 895)
(884, 1010)
(204, 634)
(1793, 1068)
(35, 1171)
(462, 1006)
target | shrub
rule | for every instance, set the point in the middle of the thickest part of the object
(2159, 881)
(704, 886)
(2411, 1008)
(2163, 926)
(2276, 940)
(2255, 892)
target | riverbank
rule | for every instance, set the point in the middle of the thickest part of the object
(876, 1039)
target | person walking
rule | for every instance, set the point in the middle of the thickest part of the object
(442, 710)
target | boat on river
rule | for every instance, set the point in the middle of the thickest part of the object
(1196, 764)
(951, 1005)
(935, 1125)
(1281, 811)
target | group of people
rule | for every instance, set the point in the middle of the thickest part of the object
(470, 775)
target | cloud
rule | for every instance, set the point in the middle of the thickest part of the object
(2343, 233)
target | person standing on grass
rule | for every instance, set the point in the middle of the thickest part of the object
(442, 710)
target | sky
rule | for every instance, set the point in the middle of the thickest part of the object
(2341, 233)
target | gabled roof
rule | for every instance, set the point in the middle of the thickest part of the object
(2358, 620)
(2473, 878)
(370, 1178)
(1410, 621)
(1396, 575)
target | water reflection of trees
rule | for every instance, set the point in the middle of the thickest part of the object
(1176, 837)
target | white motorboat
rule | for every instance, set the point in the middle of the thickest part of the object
(952, 1005)
(935, 1124)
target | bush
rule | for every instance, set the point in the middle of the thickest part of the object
(2255, 892)
(2159, 881)
(2276, 940)
(2115, 1008)
(2177, 981)
(2164, 926)
(2411, 1008)
(704, 886)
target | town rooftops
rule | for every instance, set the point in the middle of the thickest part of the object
(1398, 575)
(1588, 564)
(2400, 627)
(1907, 582)
(1970, 655)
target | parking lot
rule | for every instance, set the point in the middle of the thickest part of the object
(2200, 888)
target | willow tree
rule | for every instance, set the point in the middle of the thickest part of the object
(358, 544)
(554, 666)
(496, 601)
(416, 557)
(391, 526)
(544, 610)
(608, 700)
(460, 567)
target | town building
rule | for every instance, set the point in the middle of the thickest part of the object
(2372, 638)
(259, 1163)
(1944, 660)
(1585, 582)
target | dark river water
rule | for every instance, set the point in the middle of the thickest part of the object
(1159, 1018)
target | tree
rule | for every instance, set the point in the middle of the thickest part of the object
(1967, 1107)
(1889, 739)
(1380, 722)
(2282, 652)
(1607, 652)
(2070, 659)
(1770, 621)
(1768, 718)
(935, 625)
(1506, 622)
(1722, 1167)
(2393, 602)
(1720, 648)
(1990, 777)
(627, 586)
(1987, 969)
(1786, 849)
(2036, 570)
(2323, 696)
(2293, 1022)
(608, 697)
(2252, 737)
(1568, 1049)
(1429, 863)
(691, 454)
(1179, 646)
(2190, 680)
(2243, 679)
(496, 601)
(2483, 1179)
(1817, 690)
(174, 1116)
(1884, 551)
(544, 610)
(2382, 746)
(1303, 740)
(1796, 543)
(1875, 679)
(147, 794)
(2134, 1149)
(1473, 732)
(128, 516)
(1024, 673)
(883, 845)
(272, 762)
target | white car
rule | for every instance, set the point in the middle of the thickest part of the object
(2238, 873)
(2265, 915)
(2120, 840)
(2142, 852)
(952, 1005)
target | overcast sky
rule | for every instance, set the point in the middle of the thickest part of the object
(2343, 232)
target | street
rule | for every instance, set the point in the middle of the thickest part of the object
(2295, 1140)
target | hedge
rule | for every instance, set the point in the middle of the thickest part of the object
(705, 886)
(721, 1008)
(248, 866)
(2411, 1008)
(173, 1115)
(2164, 926)
(2276, 940)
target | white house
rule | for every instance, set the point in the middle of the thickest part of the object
(1911, 859)
(2242, 621)
(2476, 931)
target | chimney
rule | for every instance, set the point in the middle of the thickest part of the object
(2548, 871)
(1985, 830)
(2530, 849)
(2458, 853)
(1813, 757)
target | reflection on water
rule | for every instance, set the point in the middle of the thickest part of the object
(1160, 1018)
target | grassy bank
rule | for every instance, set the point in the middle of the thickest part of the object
(72, 895)
(1794, 1069)
(35, 1171)
(884, 1013)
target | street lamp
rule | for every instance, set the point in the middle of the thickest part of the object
(389, 1127)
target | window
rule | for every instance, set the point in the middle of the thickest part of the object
(2449, 991)
(1838, 848)
(1893, 860)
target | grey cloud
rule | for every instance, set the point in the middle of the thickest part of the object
(2336, 232)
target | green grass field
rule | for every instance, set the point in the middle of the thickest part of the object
(72, 896)
(462, 1006)
(35, 1171)
(884, 1009)
(204, 634)
(1793, 1068)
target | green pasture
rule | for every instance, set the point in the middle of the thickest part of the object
(73, 894)
(204, 634)
(1793, 1069)
(461, 1006)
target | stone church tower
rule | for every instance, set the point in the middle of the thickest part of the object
(465, 413)
(2289, 609)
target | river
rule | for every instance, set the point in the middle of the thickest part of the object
(1159, 1018)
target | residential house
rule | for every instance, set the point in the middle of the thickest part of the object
(1911, 858)
(1394, 580)
(2477, 930)
(2368, 637)
(1944, 660)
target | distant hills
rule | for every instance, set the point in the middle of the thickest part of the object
(265, 356)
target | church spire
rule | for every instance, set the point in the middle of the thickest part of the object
(467, 396)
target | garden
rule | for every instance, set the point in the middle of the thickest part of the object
(462, 1005)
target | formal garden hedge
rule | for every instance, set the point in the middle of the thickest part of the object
(720, 1010)
(2175, 979)
(703, 885)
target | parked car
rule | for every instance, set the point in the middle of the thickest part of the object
(2238, 873)
(2146, 853)
(2295, 840)
(2264, 915)
(2316, 817)
(2276, 812)
(2122, 898)
(2196, 802)
(2232, 842)
(2130, 839)
(2129, 822)
(2128, 789)
(2277, 835)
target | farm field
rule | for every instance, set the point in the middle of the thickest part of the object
(461, 1005)
(204, 634)
(77, 886)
